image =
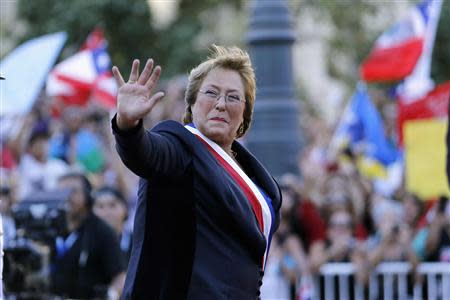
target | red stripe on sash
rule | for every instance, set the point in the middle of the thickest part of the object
(256, 206)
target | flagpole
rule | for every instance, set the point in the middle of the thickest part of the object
(425, 59)
(419, 82)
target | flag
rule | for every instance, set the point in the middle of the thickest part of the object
(422, 128)
(361, 127)
(431, 106)
(85, 75)
(425, 157)
(419, 82)
(94, 40)
(105, 87)
(397, 50)
(25, 70)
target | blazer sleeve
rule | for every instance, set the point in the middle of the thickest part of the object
(147, 153)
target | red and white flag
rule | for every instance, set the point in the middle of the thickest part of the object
(85, 75)
(398, 50)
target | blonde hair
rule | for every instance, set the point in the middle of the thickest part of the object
(232, 58)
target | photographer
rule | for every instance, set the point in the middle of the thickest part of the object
(87, 262)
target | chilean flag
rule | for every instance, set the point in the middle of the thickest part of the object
(397, 50)
(85, 75)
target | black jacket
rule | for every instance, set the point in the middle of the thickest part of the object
(195, 234)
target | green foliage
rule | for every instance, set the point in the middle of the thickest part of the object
(349, 38)
(355, 41)
(127, 27)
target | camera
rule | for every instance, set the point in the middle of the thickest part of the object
(41, 216)
(39, 219)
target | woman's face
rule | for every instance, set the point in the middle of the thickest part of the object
(411, 209)
(218, 119)
(111, 210)
(340, 225)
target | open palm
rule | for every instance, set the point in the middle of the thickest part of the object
(134, 98)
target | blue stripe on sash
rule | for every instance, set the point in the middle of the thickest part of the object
(272, 215)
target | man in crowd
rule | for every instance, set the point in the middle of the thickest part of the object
(87, 262)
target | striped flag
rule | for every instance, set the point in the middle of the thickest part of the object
(85, 75)
(398, 50)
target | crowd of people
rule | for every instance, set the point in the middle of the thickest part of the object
(332, 213)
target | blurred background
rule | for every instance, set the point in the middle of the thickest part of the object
(365, 193)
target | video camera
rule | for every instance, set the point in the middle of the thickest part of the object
(39, 219)
(41, 216)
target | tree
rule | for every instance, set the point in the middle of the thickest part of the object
(354, 38)
(127, 27)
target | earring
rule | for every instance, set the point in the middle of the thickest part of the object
(241, 130)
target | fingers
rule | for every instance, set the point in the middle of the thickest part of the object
(117, 76)
(152, 101)
(151, 82)
(156, 97)
(134, 71)
(146, 72)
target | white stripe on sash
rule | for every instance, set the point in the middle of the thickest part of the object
(267, 217)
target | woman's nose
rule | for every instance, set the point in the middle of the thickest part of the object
(221, 103)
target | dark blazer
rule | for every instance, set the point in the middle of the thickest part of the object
(195, 234)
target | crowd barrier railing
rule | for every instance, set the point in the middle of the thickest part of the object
(389, 280)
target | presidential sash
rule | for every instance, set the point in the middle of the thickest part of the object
(259, 201)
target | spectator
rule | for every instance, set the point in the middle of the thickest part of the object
(174, 105)
(87, 261)
(392, 241)
(38, 172)
(306, 221)
(438, 239)
(76, 144)
(287, 258)
(413, 208)
(339, 196)
(340, 246)
(111, 207)
(340, 243)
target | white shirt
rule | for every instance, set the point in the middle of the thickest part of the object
(37, 176)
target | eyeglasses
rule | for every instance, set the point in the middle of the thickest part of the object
(229, 98)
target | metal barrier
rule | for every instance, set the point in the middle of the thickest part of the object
(388, 281)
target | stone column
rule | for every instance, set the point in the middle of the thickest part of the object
(275, 136)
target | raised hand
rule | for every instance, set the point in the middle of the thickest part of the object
(134, 98)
